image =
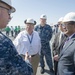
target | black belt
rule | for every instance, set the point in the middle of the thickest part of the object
(33, 55)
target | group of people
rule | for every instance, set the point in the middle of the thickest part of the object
(64, 46)
(35, 40)
(31, 45)
(14, 31)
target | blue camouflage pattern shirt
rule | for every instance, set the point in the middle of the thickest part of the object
(10, 62)
(45, 33)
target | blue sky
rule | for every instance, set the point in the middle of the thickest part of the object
(54, 9)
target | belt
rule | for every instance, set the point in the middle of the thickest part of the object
(33, 55)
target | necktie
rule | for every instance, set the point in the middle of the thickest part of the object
(67, 40)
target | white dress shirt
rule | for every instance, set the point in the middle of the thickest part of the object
(23, 45)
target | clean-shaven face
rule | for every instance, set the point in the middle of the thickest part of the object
(4, 15)
(42, 21)
(70, 29)
(29, 28)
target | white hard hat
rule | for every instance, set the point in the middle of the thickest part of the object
(43, 16)
(30, 20)
(8, 2)
(60, 19)
(69, 17)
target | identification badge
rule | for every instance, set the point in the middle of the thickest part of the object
(30, 50)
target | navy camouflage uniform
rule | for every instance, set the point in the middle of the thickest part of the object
(45, 34)
(10, 62)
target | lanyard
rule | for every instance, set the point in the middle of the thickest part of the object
(30, 40)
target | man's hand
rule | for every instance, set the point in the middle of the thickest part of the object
(56, 57)
(27, 57)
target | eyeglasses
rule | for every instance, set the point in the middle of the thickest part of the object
(59, 24)
(9, 10)
(64, 25)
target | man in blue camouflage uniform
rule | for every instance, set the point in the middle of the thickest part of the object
(45, 32)
(10, 62)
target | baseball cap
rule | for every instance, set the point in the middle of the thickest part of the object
(43, 16)
(30, 20)
(69, 17)
(8, 2)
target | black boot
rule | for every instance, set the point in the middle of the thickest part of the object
(42, 70)
(52, 72)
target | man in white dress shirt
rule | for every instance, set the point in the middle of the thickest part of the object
(29, 41)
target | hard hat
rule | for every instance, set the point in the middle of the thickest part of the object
(69, 17)
(30, 20)
(8, 2)
(43, 16)
(60, 19)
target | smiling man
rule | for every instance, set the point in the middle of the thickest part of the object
(66, 63)
(28, 40)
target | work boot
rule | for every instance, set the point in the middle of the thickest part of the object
(42, 70)
(52, 71)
